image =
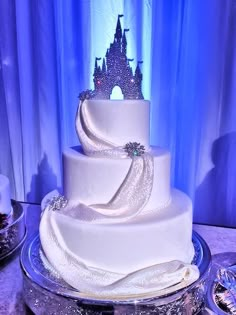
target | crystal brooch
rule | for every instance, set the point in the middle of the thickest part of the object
(134, 149)
(57, 203)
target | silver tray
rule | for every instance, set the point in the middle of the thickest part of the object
(13, 235)
(46, 294)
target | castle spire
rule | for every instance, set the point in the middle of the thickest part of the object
(138, 79)
(96, 64)
(138, 72)
(96, 67)
(103, 66)
(124, 41)
(118, 34)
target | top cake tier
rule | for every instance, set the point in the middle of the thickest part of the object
(120, 121)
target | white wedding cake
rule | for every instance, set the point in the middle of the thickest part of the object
(5, 200)
(120, 230)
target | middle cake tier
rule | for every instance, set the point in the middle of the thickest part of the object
(91, 180)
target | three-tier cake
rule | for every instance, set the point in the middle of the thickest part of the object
(120, 229)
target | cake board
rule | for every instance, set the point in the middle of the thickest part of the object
(44, 293)
(14, 232)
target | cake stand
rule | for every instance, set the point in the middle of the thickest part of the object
(13, 234)
(44, 293)
(219, 298)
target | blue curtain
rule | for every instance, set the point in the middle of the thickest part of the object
(47, 51)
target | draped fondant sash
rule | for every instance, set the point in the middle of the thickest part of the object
(135, 190)
(92, 143)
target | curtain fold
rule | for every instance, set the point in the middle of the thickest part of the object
(188, 48)
(11, 120)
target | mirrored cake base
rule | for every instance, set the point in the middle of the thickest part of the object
(13, 234)
(46, 294)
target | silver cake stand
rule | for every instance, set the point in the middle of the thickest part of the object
(220, 299)
(13, 234)
(46, 294)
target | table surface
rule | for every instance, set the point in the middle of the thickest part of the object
(221, 241)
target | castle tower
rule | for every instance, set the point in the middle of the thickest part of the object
(104, 66)
(124, 41)
(118, 33)
(98, 77)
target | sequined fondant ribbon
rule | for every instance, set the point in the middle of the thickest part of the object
(134, 191)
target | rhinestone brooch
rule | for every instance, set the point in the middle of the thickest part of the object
(134, 149)
(57, 202)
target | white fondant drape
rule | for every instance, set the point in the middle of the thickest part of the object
(47, 52)
(135, 189)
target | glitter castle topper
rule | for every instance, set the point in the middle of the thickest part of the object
(116, 71)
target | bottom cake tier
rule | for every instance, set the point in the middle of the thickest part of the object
(46, 294)
(128, 246)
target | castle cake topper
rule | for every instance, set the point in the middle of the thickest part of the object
(115, 71)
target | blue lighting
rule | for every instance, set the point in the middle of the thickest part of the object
(188, 53)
